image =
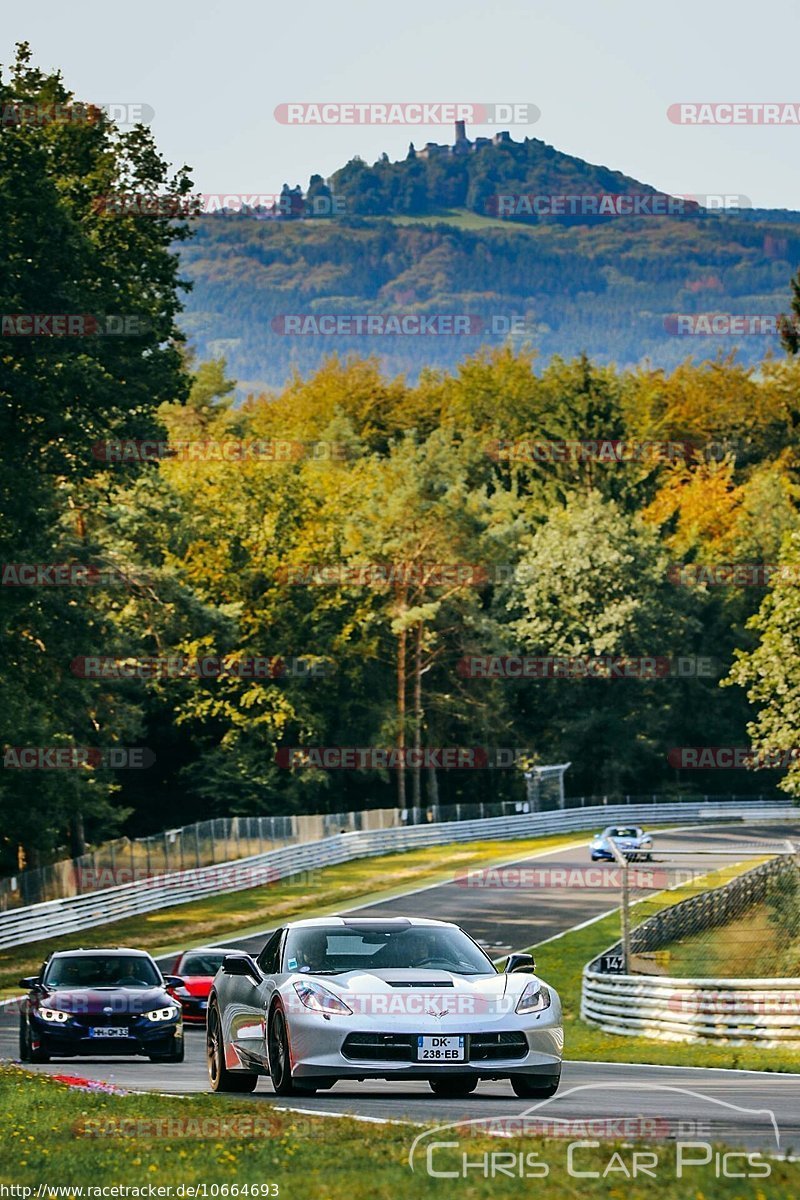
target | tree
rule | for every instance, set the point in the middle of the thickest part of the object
(789, 327)
(592, 582)
(111, 269)
(770, 671)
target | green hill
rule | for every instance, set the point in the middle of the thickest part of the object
(423, 237)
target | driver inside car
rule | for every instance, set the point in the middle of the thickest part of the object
(421, 948)
(312, 953)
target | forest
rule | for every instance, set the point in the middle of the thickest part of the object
(533, 559)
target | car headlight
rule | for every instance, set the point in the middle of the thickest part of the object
(161, 1014)
(598, 844)
(535, 998)
(646, 841)
(320, 1000)
(52, 1014)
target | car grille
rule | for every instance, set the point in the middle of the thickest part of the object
(484, 1047)
(402, 1047)
(116, 1020)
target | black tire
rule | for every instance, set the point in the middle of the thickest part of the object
(453, 1086)
(176, 1055)
(27, 1054)
(535, 1087)
(220, 1078)
(24, 1042)
(278, 1056)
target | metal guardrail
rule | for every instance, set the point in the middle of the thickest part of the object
(56, 917)
(757, 1011)
(224, 839)
(748, 1011)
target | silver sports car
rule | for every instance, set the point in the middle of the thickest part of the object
(631, 840)
(381, 998)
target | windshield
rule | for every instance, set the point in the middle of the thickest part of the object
(626, 833)
(207, 963)
(331, 949)
(102, 971)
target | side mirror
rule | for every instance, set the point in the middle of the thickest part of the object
(520, 962)
(241, 964)
(173, 981)
(29, 981)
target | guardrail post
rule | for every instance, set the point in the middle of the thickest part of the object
(622, 861)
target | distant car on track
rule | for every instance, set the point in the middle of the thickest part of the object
(381, 998)
(196, 970)
(99, 1002)
(632, 841)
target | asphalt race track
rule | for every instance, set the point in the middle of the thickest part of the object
(703, 1103)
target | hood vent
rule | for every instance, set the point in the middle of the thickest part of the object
(421, 983)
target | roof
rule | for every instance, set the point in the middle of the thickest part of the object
(100, 950)
(352, 920)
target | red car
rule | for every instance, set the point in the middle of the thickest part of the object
(196, 969)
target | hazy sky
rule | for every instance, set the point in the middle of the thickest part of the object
(602, 74)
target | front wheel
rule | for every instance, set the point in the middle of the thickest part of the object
(176, 1054)
(27, 1054)
(453, 1086)
(220, 1078)
(280, 1068)
(535, 1087)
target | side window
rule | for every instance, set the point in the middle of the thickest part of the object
(269, 958)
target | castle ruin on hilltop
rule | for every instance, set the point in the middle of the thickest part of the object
(462, 144)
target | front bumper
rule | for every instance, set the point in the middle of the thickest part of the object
(321, 1046)
(632, 853)
(73, 1039)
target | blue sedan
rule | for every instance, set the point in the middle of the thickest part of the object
(100, 1002)
(632, 841)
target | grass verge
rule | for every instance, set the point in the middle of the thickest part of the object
(239, 913)
(562, 961)
(200, 1141)
(751, 946)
